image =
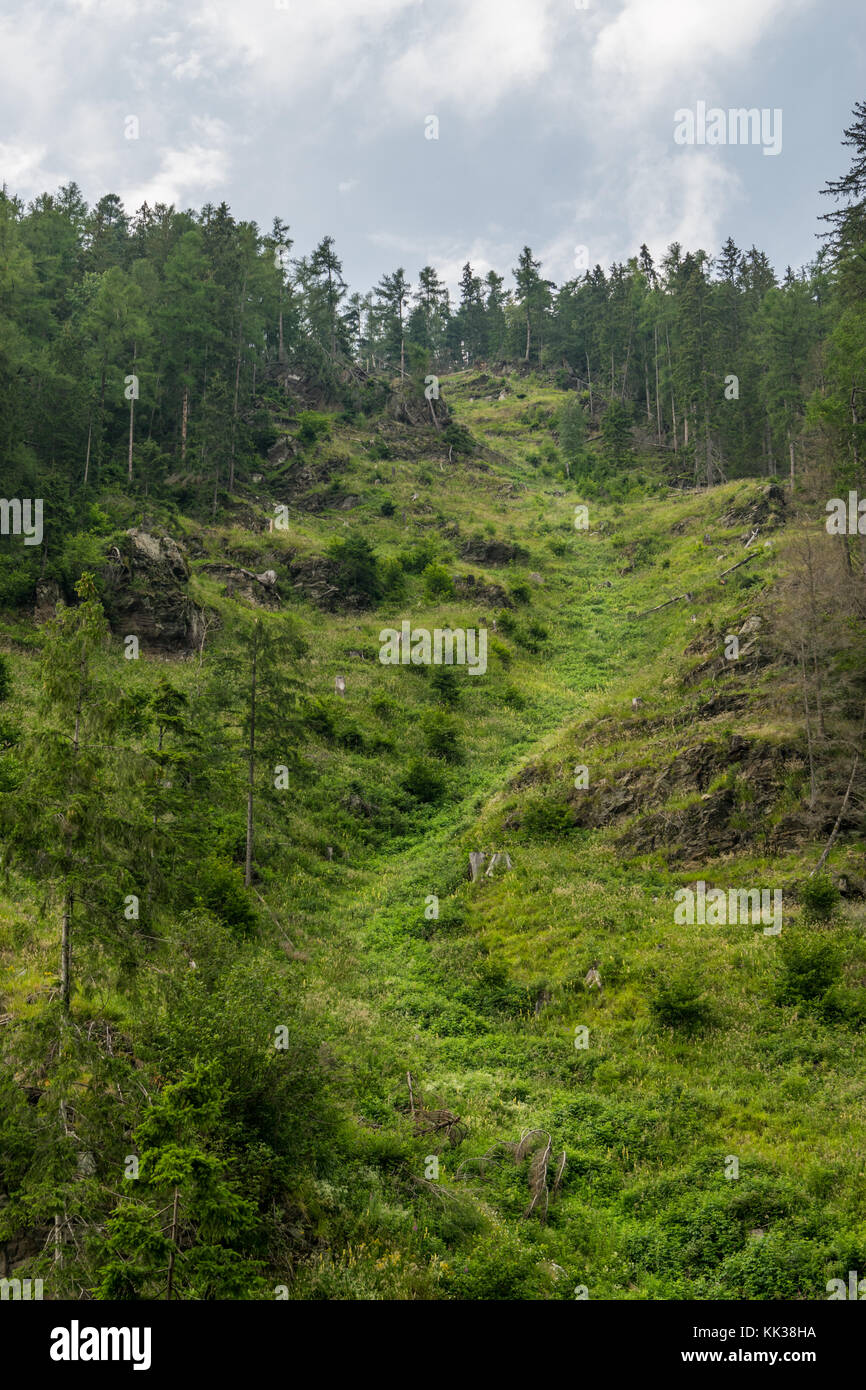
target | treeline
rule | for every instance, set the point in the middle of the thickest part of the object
(137, 350)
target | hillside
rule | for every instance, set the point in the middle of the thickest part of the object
(355, 1075)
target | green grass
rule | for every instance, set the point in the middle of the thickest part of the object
(481, 1005)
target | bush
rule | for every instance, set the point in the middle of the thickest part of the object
(387, 508)
(544, 816)
(820, 898)
(497, 1268)
(458, 438)
(443, 737)
(393, 578)
(810, 965)
(5, 679)
(415, 561)
(437, 582)
(445, 685)
(679, 1003)
(424, 781)
(356, 565)
(312, 426)
(221, 891)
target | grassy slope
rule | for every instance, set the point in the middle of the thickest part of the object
(482, 1005)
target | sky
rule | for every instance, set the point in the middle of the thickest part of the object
(439, 131)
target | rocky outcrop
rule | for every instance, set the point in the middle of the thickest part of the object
(47, 598)
(493, 552)
(467, 586)
(258, 589)
(743, 811)
(146, 593)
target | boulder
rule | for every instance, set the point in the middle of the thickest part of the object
(146, 593)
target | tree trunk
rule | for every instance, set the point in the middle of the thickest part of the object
(65, 944)
(237, 385)
(131, 419)
(173, 1238)
(673, 400)
(183, 423)
(589, 381)
(658, 398)
(89, 437)
(251, 754)
(808, 728)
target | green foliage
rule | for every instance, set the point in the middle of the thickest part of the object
(445, 686)
(679, 1002)
(220, 889)
(442, 737)
(819, 897)
(616, 428)
(312, 426)
(357, 571)
(425, 781)
(437, 582)
(810, 965)
(546, 817)
(5, 679)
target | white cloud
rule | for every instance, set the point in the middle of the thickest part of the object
(650, 46)
(182, 177)
(20, 165)
(474, 56)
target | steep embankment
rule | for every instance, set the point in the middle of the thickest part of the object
(701, 1081)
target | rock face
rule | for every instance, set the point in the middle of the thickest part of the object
(493, 552)
(146, 593)
(717, 819)
(258, 589)
(467, 586)
(47, 598)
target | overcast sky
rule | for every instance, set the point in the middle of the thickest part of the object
(555, 123)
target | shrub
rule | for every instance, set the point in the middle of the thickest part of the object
(312, 426)
(496, 1268)
(424, 781)
(221, 891)
(393, 578)
(356, 565)
(5, 679)
(544, 816)
(820, 897)
(415, 561)
(810, 965)
(387, 508)
(443, 737)
(679, 1003)
(437, 582)
(445, 685)
(458, 438)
